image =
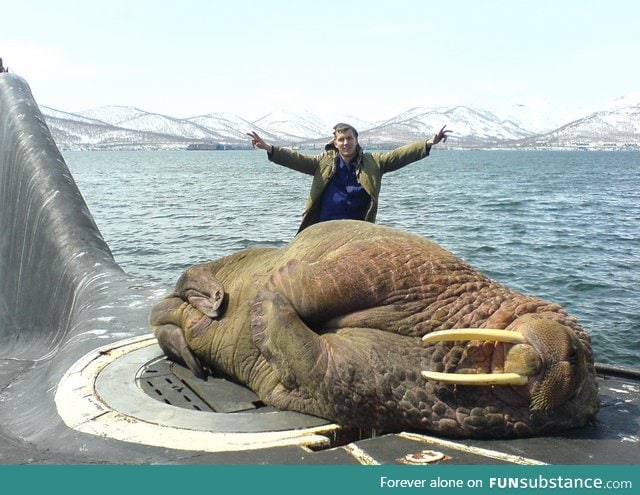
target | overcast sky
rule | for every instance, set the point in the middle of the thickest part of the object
(370, 59)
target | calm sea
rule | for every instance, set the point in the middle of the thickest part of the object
(563, 225)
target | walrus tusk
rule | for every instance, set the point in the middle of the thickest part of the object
(475, 334)
(476, 379)
(479, 379)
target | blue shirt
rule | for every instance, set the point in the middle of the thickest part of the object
(344, 197)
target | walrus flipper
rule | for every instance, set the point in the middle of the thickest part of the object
(281, 336)
(295, 353)
(323, 374)
(200, 288)
(173, 343)
(321, 291)
(166, 321)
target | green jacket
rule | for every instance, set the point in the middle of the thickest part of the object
(369, 170)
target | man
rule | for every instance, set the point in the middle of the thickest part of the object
(346, 180)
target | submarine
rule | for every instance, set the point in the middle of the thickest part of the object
(84, 382)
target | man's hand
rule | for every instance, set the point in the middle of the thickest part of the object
(258, 142)
(441, 136)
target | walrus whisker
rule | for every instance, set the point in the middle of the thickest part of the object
(474, 334)
(477, 379)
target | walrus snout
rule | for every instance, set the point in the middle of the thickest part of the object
(539, 353)
(564, 361)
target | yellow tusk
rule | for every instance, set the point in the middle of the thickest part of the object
(474, 334)
(478, 379)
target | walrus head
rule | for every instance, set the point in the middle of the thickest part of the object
(539, 355)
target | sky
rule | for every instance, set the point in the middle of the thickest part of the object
(370, 59)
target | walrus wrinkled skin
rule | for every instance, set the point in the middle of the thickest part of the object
(332, 325)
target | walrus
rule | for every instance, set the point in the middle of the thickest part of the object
(371, 326)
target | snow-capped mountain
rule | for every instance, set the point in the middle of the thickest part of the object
(616, 124)
(537, 116)
(229, 127)
(139, 120)
(113, 114)
(471, 127)
(293, 126)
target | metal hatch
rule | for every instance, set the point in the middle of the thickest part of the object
(129, 391)
(175, 385)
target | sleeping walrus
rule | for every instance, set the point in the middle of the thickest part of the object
(355, 322)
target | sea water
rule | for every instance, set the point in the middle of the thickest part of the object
(562, 225)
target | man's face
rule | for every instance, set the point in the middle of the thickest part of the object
(346, 142)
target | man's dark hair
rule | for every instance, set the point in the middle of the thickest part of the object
(342, 127)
